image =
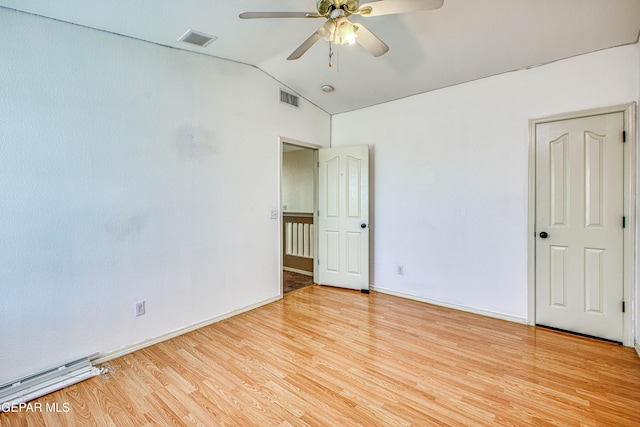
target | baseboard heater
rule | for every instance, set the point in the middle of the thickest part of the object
(22, 390)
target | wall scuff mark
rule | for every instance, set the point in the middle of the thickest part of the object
(194, 144)
(124, 229)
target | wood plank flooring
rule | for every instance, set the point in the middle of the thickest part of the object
(330, 357)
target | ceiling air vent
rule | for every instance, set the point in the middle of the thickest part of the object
(289, 99)
(197, 38)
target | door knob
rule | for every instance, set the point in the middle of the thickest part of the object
(363, 225)
(544, 235)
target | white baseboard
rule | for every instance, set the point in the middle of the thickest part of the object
(486, 313)
(139, 346)
(637, 346)
(295, 270)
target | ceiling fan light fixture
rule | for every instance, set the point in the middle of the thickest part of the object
(345, 32)
(327, 31)
(339, 31)
(336, 13)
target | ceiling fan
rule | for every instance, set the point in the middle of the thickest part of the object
(339, 30)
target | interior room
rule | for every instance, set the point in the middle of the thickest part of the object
(144, 200)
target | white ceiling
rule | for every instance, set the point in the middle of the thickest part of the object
(463, 41)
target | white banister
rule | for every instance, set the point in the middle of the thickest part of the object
(299, 239)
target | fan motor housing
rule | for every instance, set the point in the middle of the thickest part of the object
(326, 6)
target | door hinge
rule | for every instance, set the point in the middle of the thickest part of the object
(624, 136)
(624, 222)
(624, 307)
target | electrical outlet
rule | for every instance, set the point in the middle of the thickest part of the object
(139, 308)
(400, 270)
(274, 214)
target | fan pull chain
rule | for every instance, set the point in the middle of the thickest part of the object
(330, 55)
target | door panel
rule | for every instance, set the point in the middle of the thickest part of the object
(332, 253)
(593, 280)
(343, 217)
(558, 156)
(354, 245)
(594, 179)
(332, 186)
(354, 184)
(580, 204)
(558, 276)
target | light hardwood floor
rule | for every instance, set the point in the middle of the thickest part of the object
(331, 357)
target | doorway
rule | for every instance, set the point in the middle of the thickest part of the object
(298, 200)
(324, 195)
(581, 223)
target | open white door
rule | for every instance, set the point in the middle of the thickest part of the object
(343, 217)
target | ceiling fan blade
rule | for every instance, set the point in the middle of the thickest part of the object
(305, 46)
(258, 15)
(390, 7)
(370, 42)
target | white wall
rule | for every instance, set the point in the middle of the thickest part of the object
(450, 171)
(297, 181)
(636, 312)
(128, 172)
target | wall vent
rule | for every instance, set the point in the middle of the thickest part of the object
(197, 38)
(289, 99)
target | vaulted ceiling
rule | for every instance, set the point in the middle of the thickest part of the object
(464, 40)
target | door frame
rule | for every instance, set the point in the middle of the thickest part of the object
(315, 148)
(629, 232)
